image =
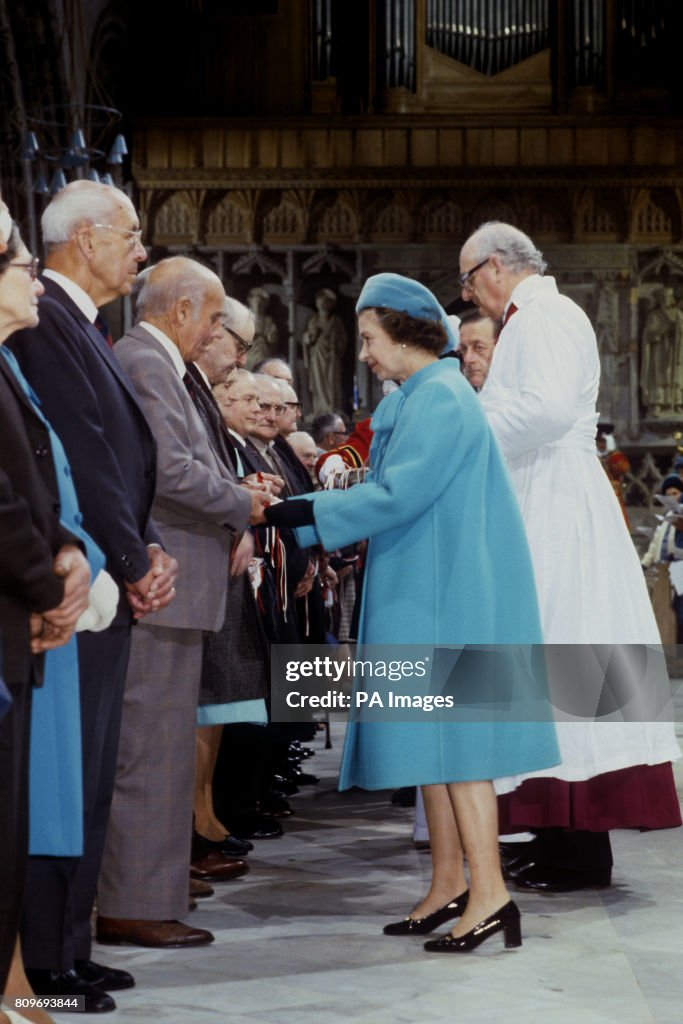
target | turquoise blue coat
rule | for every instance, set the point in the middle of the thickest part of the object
(55, 766)
(447, 564)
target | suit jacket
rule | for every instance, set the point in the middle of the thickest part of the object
(90, 402)
(198, 507)
(29, 525)
(211, 417)
(299, 480)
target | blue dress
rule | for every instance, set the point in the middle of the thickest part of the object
(55, 766)
(447, 564)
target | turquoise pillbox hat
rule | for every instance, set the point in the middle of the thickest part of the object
(405, 295)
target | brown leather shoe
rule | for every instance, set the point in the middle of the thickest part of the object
(200, 890)
(158, 934)
(216, 867)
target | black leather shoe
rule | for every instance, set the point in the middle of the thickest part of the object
(512, 869)
(506, 920)
(275, 803)
(512, 851)
(69, 985)
(234, 847)
(284, 784)
(300, 778)
(298, 750)
(424, 925)
(231, 846)
(109, 979)
(256, 826)
(551, 879)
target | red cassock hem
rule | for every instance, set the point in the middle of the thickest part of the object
(642, 797)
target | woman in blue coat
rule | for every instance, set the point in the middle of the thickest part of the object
(447, 565)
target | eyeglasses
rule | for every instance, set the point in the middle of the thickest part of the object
(466, 277)
(339, 433)
(293, 405)
(244, 346)
(33, 267)
(134, 237)
(270, 407)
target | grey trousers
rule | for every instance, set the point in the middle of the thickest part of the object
(146, 861)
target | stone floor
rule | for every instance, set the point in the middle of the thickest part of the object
(298, 941)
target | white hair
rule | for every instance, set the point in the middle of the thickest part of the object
(237, 376)
(159, 287)
(264, 379)
(78, 204)
(515, 249)
(236, 314)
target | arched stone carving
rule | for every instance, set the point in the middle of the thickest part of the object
(391, 221)
(175, 222)
(598, 217)
(337, 222)
(653, 219)
(441, 219)
(284, 222)
(227, 222)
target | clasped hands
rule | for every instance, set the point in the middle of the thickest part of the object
(263, 489)
(156, 589)
(55, 627)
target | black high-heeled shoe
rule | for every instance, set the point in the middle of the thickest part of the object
(506, 920)
(424, 925)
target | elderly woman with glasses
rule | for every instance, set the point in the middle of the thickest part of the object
(44, 588)
(447, 566)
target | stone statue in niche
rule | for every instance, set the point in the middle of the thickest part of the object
(266, 342)
(324, 343)
(661, 367)
(608, 338)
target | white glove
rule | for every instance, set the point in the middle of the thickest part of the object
(335, 464)
(102, 605)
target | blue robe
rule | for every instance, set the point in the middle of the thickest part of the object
(55, 767)
(447, 564)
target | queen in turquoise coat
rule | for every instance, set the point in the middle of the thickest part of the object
(447, 564)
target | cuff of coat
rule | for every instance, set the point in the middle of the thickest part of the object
(291, 513)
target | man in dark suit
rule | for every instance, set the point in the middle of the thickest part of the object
(92, 237)
(236, 657)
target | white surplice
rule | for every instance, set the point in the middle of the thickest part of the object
(540, 398)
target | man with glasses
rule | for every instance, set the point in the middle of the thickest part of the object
(329, 431)
(92, 236)
(540, 400)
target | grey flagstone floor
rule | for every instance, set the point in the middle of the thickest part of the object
(298, 940)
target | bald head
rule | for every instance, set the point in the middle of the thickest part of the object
(185, 300)
(275, 368)
(305, 448)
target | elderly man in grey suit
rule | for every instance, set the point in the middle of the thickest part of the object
(199, 511)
